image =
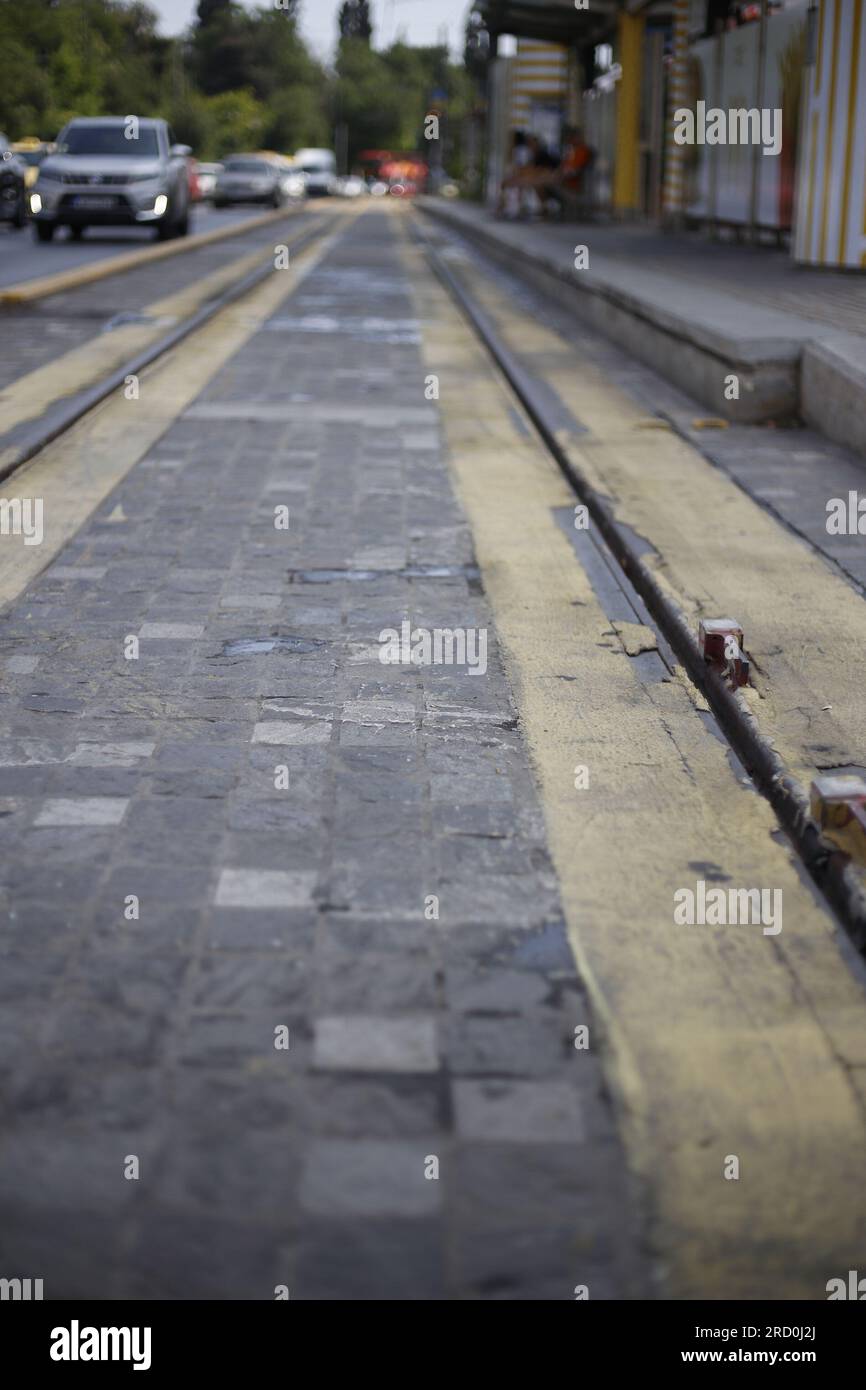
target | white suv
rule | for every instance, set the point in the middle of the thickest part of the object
(113, 171)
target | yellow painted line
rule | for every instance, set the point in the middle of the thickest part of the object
(74, 474)
(31, 395)
(850, 132)
(717, 553)
(100, 270)
(716, 1041)
(821, 21)
(813, 161)
(831, 117)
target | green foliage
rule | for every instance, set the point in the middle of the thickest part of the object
(354, 20)
(236, 121)
(241, 78)
(260, 53)
(363, 99)
(76, 57)
(384, 97)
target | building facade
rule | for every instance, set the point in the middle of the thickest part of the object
(775, 145)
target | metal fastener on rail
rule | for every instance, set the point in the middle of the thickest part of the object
(838, 805)
(721, 644)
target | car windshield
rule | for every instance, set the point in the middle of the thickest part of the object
(110, 139)
(246, 166)
(313, 168)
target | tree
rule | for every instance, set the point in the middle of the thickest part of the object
(366, 100)
(354, 20)
(220, 50)
(209, 10)
(81, 57)
(235, 120)
(241, 78)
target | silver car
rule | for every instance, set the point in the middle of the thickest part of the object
(249, 178)
(113, 171)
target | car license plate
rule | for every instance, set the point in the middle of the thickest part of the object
(88, 200)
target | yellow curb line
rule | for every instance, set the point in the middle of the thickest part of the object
(75, 472)
(713, 1047)
(31, 395)
(85, 275)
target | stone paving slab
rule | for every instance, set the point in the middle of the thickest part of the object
(277, 920)
(35, 334)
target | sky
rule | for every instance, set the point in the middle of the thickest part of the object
(418, 21)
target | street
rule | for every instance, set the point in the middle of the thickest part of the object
(350, 780)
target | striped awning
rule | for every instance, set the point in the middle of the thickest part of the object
(539, 73)
(556, 20)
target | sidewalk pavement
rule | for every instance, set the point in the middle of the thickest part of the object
(700, 310)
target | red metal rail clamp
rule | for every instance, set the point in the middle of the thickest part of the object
(721, 643)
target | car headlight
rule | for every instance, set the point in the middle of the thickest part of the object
(142, 178)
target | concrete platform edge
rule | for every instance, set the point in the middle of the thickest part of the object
(818, 378)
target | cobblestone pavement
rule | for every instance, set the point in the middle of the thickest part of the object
(35, 333)
(312, 841)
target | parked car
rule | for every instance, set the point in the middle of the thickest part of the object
(207, 178)
(31, 151)
(13, 200)
(249, 178)
(319, 168)
(291, 178)
(113, 171)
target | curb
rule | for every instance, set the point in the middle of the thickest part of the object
(808, 369)
(696, 356)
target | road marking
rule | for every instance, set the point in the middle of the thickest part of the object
(716, 1041)
(75, 473)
